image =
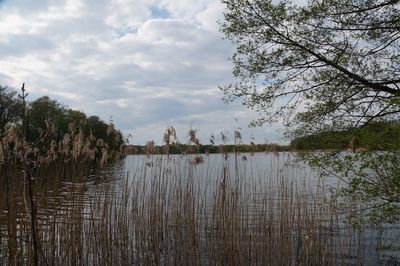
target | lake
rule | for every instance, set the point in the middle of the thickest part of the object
(233, 209)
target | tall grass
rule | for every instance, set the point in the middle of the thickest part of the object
(165, 211)
(28, 171)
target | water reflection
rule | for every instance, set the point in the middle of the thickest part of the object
(140, 209)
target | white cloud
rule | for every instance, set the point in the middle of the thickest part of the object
(146, 63)
(123, 102)
(210, 15)
(14, 24)
(126, 14)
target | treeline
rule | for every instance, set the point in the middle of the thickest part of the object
(49, 126)
(43, 143)
(374, 136)
(178, 148)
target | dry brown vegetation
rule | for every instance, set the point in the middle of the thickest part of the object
(30, 170)
(27, 177)
(53, 212)
(160, 214)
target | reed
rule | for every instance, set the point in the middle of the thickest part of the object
(28, 171)
(167, 212)
(187, 209)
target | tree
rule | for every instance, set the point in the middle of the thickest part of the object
(337, 61)
(97, 126)
(46, 114)
(330, 65)
(9, 108)
(112, 137)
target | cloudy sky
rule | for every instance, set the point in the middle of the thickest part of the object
(146, 64)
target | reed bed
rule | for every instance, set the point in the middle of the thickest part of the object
(179, 210)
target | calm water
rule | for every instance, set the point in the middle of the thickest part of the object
(380, 244)
(256, 171)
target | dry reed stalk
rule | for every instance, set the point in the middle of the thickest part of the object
(170, 213)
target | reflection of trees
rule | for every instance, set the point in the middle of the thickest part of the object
(41, 146)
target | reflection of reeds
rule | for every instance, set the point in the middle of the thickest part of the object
(27, 170)
(163, 214)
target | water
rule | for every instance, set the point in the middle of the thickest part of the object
(81, 206)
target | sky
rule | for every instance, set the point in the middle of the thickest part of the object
(144, 64)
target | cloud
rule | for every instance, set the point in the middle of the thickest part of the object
(210, 15)
(125, 15)
(145, 63)
(21, 44)
(25, 7)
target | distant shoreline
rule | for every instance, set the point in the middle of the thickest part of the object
(204, 149)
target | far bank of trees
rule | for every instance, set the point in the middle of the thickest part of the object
(48, 125)
(205, 148)
(378, 136)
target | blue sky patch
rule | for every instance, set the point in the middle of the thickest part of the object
(122, 31)
(157, 12)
